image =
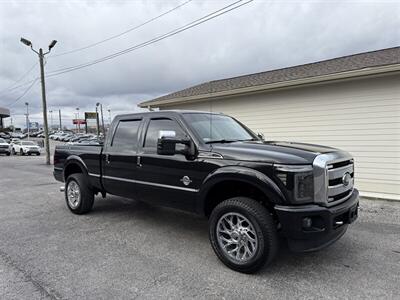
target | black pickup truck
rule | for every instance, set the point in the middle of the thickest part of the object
(252, 191)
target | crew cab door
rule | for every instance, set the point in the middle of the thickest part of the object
(119, 159)
(166, 180)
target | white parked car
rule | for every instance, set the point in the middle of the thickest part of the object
(14, 140)
(18, 135)
(25, 147)
(4, 147)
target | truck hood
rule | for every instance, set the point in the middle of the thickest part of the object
(271, 152)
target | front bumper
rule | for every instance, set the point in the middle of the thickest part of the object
(327, 224)
(27, 151)
(5, 150)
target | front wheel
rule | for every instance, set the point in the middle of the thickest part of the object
(21, 152)
(243, 234)
(78, 195)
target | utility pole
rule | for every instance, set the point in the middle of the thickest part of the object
(79, 123)
(97, 120)
(51, 119)
(102, 120)
(109, 118)
(27, 118)
(44, 103)
(59, 117)
(102, 117)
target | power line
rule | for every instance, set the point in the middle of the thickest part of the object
(11, 86)
(122, 33)
(23, 94)
(192, 24)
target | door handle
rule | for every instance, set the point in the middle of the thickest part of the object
(107, 158)
(138, 161)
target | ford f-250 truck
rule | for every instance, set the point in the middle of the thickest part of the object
(251, 190)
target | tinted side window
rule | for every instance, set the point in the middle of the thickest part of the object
(156, 126)
(126, 134)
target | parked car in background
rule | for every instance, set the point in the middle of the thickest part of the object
(36, 133)
(5, 135)
(81, 137)
(18, 135)
(14, 140)
(67, 137)
(5, 147)
(91, 141)
(25, 147)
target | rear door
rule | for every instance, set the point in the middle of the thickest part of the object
(120, 158)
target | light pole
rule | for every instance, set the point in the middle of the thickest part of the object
(27, 118)
(79, 123)
(102, 117)
(51, 119)
(109, 118)
(59, 117)
(44, 104)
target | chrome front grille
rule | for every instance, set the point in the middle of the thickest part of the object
(340, 180)
(333, 178)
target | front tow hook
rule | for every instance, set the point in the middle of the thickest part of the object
(62, 188)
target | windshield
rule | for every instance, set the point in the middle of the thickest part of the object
(28, 144)
(214, 128)
(2, 141)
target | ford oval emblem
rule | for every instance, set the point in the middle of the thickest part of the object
(186, 180)
(346, 179)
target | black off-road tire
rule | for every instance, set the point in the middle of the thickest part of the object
(86, 194)
(264, 225)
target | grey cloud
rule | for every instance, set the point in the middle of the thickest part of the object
(260, 36)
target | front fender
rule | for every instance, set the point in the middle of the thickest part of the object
(243, 174)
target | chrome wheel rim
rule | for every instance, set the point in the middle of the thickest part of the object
(73, 194)
(237, 237)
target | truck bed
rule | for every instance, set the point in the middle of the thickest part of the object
(88, 155)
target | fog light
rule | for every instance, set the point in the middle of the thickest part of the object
(307, 222)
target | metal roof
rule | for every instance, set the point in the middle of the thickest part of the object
(384, 57)
(4, 112)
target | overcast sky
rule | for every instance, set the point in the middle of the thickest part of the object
(258, 36)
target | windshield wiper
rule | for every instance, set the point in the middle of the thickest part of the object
(222, 141)
(249, 140)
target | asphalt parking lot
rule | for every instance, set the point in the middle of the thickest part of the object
(125, 249)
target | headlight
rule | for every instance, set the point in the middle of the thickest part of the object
(298, 180)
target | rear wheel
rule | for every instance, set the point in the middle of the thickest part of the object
(243, 234)
(8, 153)
(13, 151)
(78, 195)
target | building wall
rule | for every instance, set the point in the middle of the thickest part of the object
(360, 116)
